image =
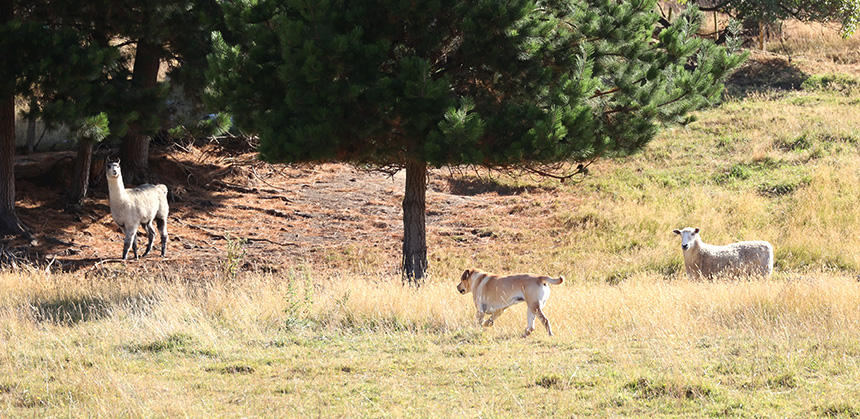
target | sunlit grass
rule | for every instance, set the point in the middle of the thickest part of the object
(347, 345)
(337, 335)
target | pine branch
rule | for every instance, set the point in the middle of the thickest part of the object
(716, 8)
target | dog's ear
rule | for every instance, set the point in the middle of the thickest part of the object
(466, 274)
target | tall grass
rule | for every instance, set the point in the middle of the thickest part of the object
(646, 307)
(124, 346)
(339, 336)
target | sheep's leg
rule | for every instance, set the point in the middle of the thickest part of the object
(150, 232)
(162, 229)
(130, 241)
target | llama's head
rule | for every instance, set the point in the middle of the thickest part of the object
(688, 236)
(113, 170)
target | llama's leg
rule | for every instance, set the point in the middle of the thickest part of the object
(134, 244)
(130, 241)
(150, 233)
(162, 229)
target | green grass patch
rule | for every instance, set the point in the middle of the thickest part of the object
(838, 410)
(176, 342)
(650, 388)
(831, 82)
(232, 369)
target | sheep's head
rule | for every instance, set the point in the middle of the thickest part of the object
(688, 236)
(113, 170)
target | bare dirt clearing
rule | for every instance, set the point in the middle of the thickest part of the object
(288, 215)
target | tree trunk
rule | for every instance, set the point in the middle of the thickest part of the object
(9, 222)
(716, 31)
(81, 179)
(135, 145)
(414, 228)
(31, 129)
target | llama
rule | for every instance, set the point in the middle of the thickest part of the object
(138, 206)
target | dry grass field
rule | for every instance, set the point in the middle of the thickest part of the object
(332, 333)
(296, 346)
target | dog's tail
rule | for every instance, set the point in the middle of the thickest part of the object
(554, 281)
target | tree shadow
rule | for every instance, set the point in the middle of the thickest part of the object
(70, 311)
(198, 185)
(470, 186)
(764, 75)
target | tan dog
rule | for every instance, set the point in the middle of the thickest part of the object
(493, 294)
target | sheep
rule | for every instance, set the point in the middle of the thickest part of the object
(137, 206)
(741, 258)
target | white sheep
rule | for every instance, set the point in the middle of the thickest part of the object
(741, 258)
(138, 206)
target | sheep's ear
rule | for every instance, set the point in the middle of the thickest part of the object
(696, 231)
(676, 231)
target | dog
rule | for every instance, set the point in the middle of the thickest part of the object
(493, 294)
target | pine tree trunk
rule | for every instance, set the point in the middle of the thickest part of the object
(81, 179)
(9, 222)
(414, 228)
(31, 129)
(135, 145)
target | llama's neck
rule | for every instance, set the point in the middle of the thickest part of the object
(116, 189)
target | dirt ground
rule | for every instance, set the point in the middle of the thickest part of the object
(287, 215)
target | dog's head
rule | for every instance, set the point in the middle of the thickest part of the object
(463, 287)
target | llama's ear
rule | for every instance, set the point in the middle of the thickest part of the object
(466, 274)
(117, 160)
(696, 230)
(676, 231)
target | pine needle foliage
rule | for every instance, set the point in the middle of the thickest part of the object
(489, 83)
(511, 85)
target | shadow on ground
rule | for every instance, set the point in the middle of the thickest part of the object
(764, 76)
(470, 186)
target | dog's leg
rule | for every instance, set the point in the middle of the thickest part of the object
(545, 321)
(480, 316)
(492, 318)
(530, 326)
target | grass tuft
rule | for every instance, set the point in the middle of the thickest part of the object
(786, 380)
(651, 389)
(831, 82)
(232, 369)
(549, 381)
(838, 410)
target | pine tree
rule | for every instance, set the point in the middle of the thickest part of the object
(153, 32)
(405, 84)
(767, 12)
(50, 64)
(88, 132)
(171, 31)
